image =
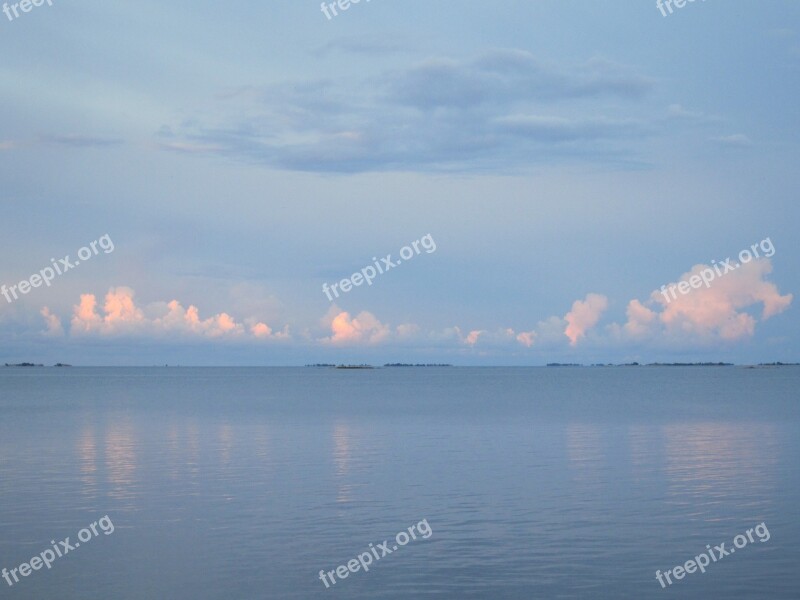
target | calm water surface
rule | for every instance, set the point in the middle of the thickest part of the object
(536, 483)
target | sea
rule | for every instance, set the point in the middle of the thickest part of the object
(436, 482)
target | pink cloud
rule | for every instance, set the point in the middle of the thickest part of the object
(483, 338)
(54, 327)
(120, 315)
(120, 309)
(363, 328)
(584, 315)
(716, 311)
(473, 336)
(721, 312)
(640, 320)
(261, 330)
(527, 338)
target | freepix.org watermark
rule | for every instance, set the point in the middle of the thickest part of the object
(706, 276)
(661, 4)
(62, 548)
(702, 560)
(46, 275)
(25, 6)
(330, 7)
(364, 560)
(369, 272)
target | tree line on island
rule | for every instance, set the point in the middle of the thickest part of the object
(365, 366)
(27, 364)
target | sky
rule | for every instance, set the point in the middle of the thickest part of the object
(551, 172)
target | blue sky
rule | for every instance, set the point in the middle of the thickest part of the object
(568, 159)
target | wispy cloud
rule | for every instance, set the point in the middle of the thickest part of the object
(737, 140)
(677, 113)
(504, 107)
(81, 141)
(365, 45)
(546, 129)
(53, 323)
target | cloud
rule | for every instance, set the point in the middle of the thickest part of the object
(81, 141)
(121, 316)
(483, 338)
(85, 317)
(504, 77)
(472, 337)
(640, 320)
(546, 129)
(500, 338)
(583, 316)
(679, 114)
(189, 147)
(720, 313)
(679, 120)
(179, 319)
(261, 330)
(708, 314)
(53, 323)
(705, 315)
(120, 309)
(365, 328)
(442, 114)
(738, 140)
(408, 331)
(676, 111)
(526, 338)
(369, 46)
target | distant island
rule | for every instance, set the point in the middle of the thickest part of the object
(331, 366)
(27, 364)
(636, 364)
(416, 365)
(701, 364)
(779, 364)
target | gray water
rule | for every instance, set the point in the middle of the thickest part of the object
(536, 483)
